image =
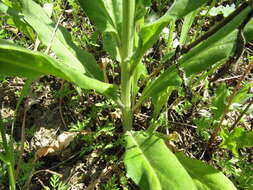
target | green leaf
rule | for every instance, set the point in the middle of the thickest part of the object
(248, 31)
(243, 93)
(216, 48)
(160, 100)
(110, 45)
(140, 8)
(4, 158)
(220, 101)
(61, 43)
(188, 20)
(204, 176)
(139, 72)
(152, 165)
(16, 61)
(238, 138)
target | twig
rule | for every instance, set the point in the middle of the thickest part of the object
(60, 105)
(22, 142)
(241, 115)
(230, 99)
(183, 124)
(239, 50)
(53, 34)
(229, 78)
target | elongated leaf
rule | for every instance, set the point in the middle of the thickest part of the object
(16, 61)
(140, 71)
(204, 176)
(61, 43)
(161, 99)
(152, 165)
(188, 20)
(216, 48)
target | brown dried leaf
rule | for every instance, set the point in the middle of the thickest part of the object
(63, 140)
(44, 151)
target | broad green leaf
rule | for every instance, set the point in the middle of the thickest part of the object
(204, 176)
(238, 138)
(61, 43)
(152, 165)
(220, 101)
(248, 31)
(16, 61)
(216, 48)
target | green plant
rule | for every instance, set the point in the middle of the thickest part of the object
(111, 184)
(127, 37)
(7, 157)
(57, 184)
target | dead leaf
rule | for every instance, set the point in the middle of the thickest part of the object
(62, 141)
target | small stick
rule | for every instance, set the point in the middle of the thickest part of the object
(229, 78)
(241, 115)
(60, 106)
(183, 124)
(218, 128)
(53, 34)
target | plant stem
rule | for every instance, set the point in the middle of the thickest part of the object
(8, 156)
(12, 182)
(127, 39)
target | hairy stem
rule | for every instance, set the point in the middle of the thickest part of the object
(127, 39)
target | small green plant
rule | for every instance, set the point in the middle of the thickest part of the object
(57, 184)
(127, 36)
(111, 184)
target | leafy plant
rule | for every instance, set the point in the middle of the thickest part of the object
(238, 138)
(127, 37)
(57, 184)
